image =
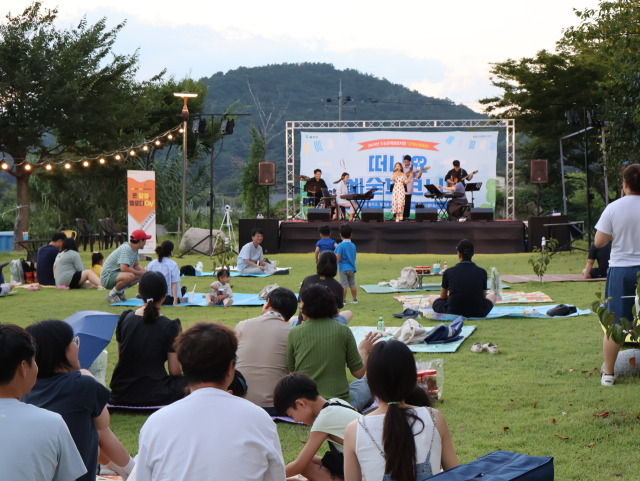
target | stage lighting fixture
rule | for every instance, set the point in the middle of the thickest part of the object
(67, 165)
(157, 142)
(194, 127)
(27, 167)
(102, 161)
(592, 118)
(226, 127)
(202, 126)
(48, 166)
(572, 117)
(85, 163)
(132, 153)
(118, 157)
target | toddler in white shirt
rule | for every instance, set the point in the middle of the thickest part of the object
(221, 294)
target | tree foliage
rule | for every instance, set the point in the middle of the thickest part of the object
(254, 196)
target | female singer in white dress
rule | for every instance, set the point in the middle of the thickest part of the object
(343, 189)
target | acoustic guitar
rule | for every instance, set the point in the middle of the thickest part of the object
(463, 179)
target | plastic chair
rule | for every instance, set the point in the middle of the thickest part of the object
(70, 233)
(86, 234)
(108, 237)
(116, 230)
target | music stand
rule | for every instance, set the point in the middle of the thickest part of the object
(472, 187)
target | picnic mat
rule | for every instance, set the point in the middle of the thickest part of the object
(507, 298)
(200, 301)
(547, 278)
(506, 311)
(375, 289)
(359, 332)
(287, 419)
(234, 273)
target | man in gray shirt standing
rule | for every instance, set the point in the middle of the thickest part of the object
(250, 260)
(35, 444)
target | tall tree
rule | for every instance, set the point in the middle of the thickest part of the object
(254, 196)
(65, 94)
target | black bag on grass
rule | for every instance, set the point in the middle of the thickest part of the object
(562, 310)
(188, 271)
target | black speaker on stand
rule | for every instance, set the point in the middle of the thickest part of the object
(267, 176)
(372, 215)
(426, 215)
(539, 175)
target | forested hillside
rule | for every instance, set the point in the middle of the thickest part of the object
(300, 92)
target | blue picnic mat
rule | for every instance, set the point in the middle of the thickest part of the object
(376, 289)
(235, 274)
(199, 301)
(506, 311)
(359, 332)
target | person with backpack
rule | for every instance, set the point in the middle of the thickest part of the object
(397, 441)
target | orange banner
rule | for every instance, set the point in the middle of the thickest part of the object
(408, 144)
(142, 198)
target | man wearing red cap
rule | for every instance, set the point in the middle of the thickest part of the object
(121, 270)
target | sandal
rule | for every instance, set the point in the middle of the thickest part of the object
(607, 379)
(490, 347)
(477, 347)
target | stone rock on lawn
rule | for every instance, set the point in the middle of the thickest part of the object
(195, 235)
(622, 367)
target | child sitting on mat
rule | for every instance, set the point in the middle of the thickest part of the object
(221, 293)
(96, 263)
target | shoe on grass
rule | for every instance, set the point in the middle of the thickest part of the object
(490, 347)
(112, 299)
(607, 379)
(354, 301)
(122, 297)
(477, 347)
(228, 304)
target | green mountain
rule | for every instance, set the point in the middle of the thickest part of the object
(300, 92)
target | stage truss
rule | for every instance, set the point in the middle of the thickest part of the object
(350, 125)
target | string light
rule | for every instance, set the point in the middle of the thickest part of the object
(4, 165)
(85, 163)
(132, 153)
(48, 166)
(157, 142)
(27, 167)
(118, 157)
(181, 131)
(170, 136)
(67, 165)
(145, 147)
(102, 161)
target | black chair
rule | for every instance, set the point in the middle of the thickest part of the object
(107, 235)
(121, 236)
(86, 234)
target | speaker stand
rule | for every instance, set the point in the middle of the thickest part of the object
(538, 206)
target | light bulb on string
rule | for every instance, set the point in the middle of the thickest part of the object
(85, 163)
(118, 157)
(132, 153)
(27, 167)
(181, 131)
(145, 147)
(102, 161)
(4, 165)
(157, 142)
(48, 166)
(169, 136)
(67, 165)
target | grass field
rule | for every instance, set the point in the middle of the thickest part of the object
(543, 384)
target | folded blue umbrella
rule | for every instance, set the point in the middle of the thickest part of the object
(443, 333)
(95, 330)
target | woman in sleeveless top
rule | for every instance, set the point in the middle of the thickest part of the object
(396, 442)
(398, 197)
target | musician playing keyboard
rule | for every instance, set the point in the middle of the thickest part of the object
(457, 206)
(462, 172)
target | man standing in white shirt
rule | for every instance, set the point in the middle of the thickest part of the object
(210, 434)
(408, 167)
(250, 260)
(35, 444)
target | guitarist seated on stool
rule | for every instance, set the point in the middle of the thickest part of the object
(463, 173)
(417, 174)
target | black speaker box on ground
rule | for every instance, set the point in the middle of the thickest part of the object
(482, 213)
(537, 231)
(372, 215)
(319, 215)
(270, 231)
(425, 215)
(267, 173)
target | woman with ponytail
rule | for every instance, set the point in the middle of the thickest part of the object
(396, 442)
(145, 342)
(169, 269)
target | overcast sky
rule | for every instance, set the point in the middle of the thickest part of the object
(441, 49)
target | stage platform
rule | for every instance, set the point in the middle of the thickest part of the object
(495, 237)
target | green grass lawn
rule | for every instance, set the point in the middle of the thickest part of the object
(508, 401)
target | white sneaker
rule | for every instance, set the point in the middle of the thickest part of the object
(354, 301)
(112, 299)
(477, 347)
(122, 297)
(490, 347)
(607, 379)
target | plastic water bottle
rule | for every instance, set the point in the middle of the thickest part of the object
(445, 266)
(380, 324)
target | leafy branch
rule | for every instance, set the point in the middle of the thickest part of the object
(541, 262)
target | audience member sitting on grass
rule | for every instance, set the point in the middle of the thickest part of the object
(210, 434)
(69, 270)
(77, 396)
(97, 258)
(602, 255)
(296, 396)
(321, 347)
(122, 270)
(169, 269)
(220, 293)
(262, 346)
(464, 287)
(6, 288)
(46, 257)
(35, 444)
(145, 342)
(397, 440)
(250, 260)
(326, 270)
(326, 243)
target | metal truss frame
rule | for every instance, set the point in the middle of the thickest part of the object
(507, 124)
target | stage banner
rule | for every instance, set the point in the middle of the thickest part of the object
(369, 158)
(141, 199)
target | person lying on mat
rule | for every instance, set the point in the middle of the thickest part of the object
(210, 434)
(122, 270)
(262, 346)
(322, 347)
(296, 396)
(63, 388)
(464, 287)
(34, 443)
(602, 255)
(145, 342)
(250, 260)
(169, 269)
(326, 271)
(221, 292)
(397, 440)
(69, 271)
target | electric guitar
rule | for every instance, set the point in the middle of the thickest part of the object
(464, 178)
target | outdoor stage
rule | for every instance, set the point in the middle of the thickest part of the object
(495, 237)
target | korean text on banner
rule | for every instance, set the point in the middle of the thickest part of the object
(141, 201)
